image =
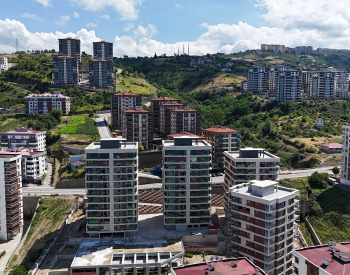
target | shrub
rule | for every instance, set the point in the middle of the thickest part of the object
(188, 255)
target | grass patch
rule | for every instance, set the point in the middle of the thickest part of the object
(306, 233)
(136, 85)
(80, 125)
(337, 140)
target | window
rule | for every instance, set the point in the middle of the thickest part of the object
(312, 271)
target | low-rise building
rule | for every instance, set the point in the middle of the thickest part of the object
(332, 148)
(45, 103)
(24, 137)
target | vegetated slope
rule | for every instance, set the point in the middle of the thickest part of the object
(11, 97)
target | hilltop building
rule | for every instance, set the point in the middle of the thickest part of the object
(120, 103)
(11, 205)
(65, 73)
(70, 47)
(45, 103)
(111, 188)
(186, 183)
(260, 217)
(222, 139)
(3, 64)
(103, 51)
(101, 74)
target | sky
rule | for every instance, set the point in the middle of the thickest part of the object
(146, 27)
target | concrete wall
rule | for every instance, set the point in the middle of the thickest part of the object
(75, 183)
(146, 179)
(73, 151)
(314, 236)
(200, 239)
(150, 159)
(29, 204)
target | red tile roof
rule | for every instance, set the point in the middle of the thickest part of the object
(22, 153)
(137, 112)
(46, 95)
(316, 254)
(332, 145)
(185, 111)
(220, 129)
(77, 163)
(125, 94)
(28, 131)
(171, 104)
(164, 98)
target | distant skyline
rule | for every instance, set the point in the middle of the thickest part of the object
(143, 27)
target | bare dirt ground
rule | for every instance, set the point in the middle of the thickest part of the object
(223, 81)
(317, 141)
(199, 259)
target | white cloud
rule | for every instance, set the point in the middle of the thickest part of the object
(76, 15)
(31, 16)
(91, 25)
(127, 9)
(148, 31)
(63, 20)
(45, 3)
(105, 16)
(129, 27)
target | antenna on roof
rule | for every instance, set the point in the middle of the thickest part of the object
(212, 258)
(216, 257)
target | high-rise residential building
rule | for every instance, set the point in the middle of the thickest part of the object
(138, 126)
(222, 139)
(248, 164)
(273, 48)
(304, 50)
(111, 187)
(257, 79)
(45, 103)
(341, 82)
(155, 108)
(101, 73)
(3, 64)
(186, 183)
(24, 138)
(103, 51)
(120, 103)
(345, 156)
(260, 224)
(185, 120)
(70, 47)
(288, 85)
(322, 85)
(164, 117)
(11, 205)
(65, 71)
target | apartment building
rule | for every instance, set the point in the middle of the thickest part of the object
(120, 103)
(155, 108)
(345, 155)
(24, 138)
(111, 188)
(185, 120)
(257, 79)
(3, 64)
(11, 205)
(103, 51)
(330, 259)
(45, 103)
(101, 73)
(288, 85)
(222, 139)
(164, 117)
(186, 183)
(273, 48)
(341, 82)
(261, 217)
(65, 72)
(138, 126)
(322, 85)
(70, 47)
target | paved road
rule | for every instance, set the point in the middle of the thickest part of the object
(103, 128)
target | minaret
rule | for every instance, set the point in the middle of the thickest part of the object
(188, 51)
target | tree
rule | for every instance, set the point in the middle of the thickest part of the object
(335, 170)
(203, 254)
(18, 270)
(141, 148)
(318, 180)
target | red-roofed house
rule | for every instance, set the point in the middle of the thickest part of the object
(330, 259)
(222, 139)
(238, 266)
(23, 137)
(332, 148)
(45, 103)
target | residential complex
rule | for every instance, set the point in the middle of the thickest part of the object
(273, 48)
(164, 116)
(138, 126)
(111, 187)
(288, 85)
(70, 47)
(155, 108)
(186, 183)
(185, 120)
(103, 51)
(65, 71)
(257, 79)
(222, 139)
(24, 138)
(321, 85)
(345, 156)
(3, 64)
(101, 73)
(11, 205)
(45, 103)
(261, 217)
(331, 259)
(120, 103)
(341, 80)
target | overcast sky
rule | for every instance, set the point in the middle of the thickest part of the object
(143, 27)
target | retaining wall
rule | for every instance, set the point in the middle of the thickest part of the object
(314, 236)
(150, 159)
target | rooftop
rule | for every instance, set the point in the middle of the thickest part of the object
(316, 254)
(24, 130)
(220, 129)
(22, 153)
(164, 98)
(187, 141)
(229, 266)
(184, 111)
(332, 145)
(113, 143)
(249, 153)
(47, 95)
(186, 134)
(126, 94)
(137, 111)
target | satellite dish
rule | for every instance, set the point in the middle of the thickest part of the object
(212, 258)
(216, 257)
(220, 258)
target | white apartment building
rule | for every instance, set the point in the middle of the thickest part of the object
(45, 103)
(261, 218)
(3, 64)
(111, 187)
(186, 183)
(11, 205)
(257, 79)
(23, 137)
(341, 82)
(345, 156)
